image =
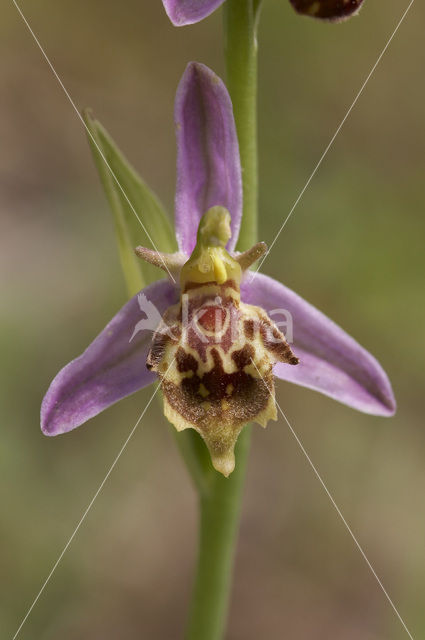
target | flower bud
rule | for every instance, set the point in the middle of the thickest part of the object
(333, 10)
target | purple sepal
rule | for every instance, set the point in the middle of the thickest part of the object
(208, 165)
(330, 360)
(111, 368)
(183, 12)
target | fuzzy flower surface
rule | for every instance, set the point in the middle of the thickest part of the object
(209, 332)
(183, 12)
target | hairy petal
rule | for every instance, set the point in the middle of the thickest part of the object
(208, 164)
(111, 368)
(183, 12)
(330, 360)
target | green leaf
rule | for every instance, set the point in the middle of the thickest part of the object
(138, 215)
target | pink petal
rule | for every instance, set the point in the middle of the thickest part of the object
(208, 165)
(183, 12)
(111, 367)
(330, 360)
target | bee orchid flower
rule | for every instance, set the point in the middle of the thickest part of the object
(183, 12)
(207, 331)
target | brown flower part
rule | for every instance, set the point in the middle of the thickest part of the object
(216, 373)
(333, 10)
(213, 353)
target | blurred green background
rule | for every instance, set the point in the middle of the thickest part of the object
(353, 247)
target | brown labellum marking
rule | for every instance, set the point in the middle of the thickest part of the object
(334, 10)
(209, 320)
(185, 361)
(244, 356)
(248, 327)
(275, 342)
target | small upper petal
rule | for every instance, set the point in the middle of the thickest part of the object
(183, 12)
(330, 360)
(112, 367)
(208, 164)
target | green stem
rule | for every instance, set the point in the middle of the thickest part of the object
(220, 510)
(197, 458)
(220, 503)
(240, 22)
